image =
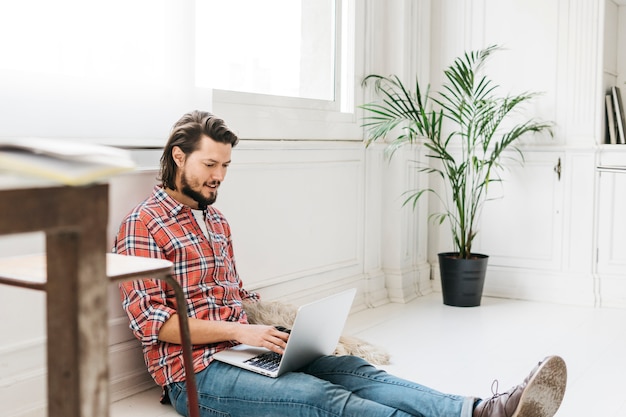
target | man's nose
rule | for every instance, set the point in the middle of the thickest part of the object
(219, 174)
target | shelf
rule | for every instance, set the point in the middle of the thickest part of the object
(611, 168)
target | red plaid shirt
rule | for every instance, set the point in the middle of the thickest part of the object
(160, 227)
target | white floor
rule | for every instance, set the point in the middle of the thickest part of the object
(462, 350)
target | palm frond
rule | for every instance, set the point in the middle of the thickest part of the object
(467, 100)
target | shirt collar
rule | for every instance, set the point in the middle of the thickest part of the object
(170, 204)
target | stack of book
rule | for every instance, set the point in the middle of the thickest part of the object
(66, 162)
(616, 122)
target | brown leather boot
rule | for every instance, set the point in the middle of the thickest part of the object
(540, 394)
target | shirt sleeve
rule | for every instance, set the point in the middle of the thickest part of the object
(143, 300)
(249, 295)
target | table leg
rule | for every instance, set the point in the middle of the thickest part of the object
(77, 316)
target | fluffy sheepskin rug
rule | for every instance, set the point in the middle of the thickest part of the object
(277, 313)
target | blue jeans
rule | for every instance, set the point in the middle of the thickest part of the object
(330, 386)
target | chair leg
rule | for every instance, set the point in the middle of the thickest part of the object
(190, 376)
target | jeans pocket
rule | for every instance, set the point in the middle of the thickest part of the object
(177, 392)
(173, 391)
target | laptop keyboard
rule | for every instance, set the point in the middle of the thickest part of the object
(268, 361)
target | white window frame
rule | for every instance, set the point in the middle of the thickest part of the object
(258, 116)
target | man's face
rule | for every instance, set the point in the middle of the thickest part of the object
(201, 172)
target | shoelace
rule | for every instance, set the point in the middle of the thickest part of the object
(494, 390)
(496, 394)
(495, 383)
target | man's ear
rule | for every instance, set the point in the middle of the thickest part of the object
(178, 155)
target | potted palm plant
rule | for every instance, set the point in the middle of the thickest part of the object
(462, 129)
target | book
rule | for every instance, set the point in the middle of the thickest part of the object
(619, 114)
(66, 162)
(610, 118)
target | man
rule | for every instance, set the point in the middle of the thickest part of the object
(177, 222)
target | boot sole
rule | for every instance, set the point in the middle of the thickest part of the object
(545, 390)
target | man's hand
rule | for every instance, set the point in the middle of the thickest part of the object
(214, 331)
(263, 336)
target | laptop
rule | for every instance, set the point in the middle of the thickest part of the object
(315, 333)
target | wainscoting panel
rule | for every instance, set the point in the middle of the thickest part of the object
(611, 240)
(295, 212)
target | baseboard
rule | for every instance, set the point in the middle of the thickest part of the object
(23, 381)
(409, 283)
(130, 385)
(127, 373)
(611, 291)
(535, 285)
(25, 394)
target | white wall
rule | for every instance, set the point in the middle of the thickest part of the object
(549, 238)
(313, 217)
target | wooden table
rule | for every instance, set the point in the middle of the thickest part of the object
(75, 273)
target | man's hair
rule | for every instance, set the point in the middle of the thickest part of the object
(186, 134)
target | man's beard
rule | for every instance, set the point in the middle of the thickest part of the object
(202, 201)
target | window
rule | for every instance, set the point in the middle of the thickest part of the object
(124, 71)
(275, 47)
(280, 68)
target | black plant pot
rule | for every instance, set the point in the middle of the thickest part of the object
(462, 280)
